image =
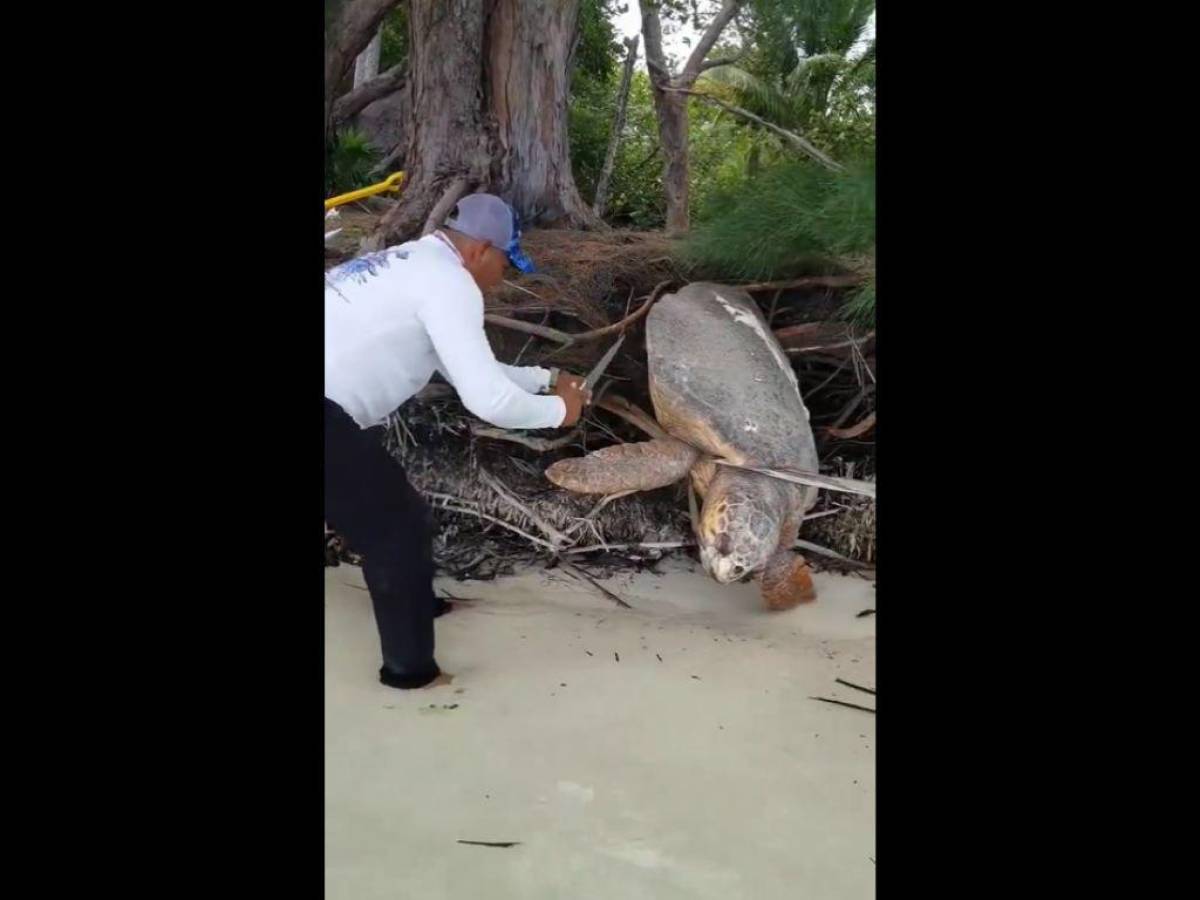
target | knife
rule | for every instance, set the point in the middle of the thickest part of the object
(593, 376)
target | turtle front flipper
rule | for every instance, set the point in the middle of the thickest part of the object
(625, 467)
(787, 581)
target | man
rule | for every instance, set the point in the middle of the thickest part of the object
(391, 320)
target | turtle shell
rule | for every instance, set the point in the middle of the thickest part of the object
(720, 381)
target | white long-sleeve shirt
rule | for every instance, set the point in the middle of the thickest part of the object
(395, 317)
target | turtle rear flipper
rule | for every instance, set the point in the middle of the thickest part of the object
(625, 467)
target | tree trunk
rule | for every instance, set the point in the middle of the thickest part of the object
(672, 107)
(349, 28)
(448, 137)
(600, 201)
(489, 82)
(673, 138)
(366, 65)
(531, 45)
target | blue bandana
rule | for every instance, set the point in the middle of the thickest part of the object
(516, 255)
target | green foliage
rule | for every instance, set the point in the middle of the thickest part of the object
(830, 26)
(860, 306)
(796, 218)
(393, 46)
(598, 52)
(350, 160)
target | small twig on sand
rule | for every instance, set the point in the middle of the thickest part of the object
(857, 687)
(584, 576)
(843, 703)
(491, 843)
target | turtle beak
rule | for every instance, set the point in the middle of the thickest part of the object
(722, 568)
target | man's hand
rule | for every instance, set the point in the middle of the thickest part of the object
(574, 394)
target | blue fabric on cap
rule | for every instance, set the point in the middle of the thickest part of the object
(516, 255)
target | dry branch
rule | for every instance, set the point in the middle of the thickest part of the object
(541, 445)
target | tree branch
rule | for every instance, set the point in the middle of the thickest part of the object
(695, 62)
(349, 105)
(797, 141)
(541, 445)
(355, 26)
(570, 340)
(600, 200)
(723, 61)
(454, 192)
(656, 60)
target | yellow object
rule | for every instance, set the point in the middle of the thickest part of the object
(392, 184)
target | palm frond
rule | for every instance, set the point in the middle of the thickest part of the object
(832, 26)
(752, 93)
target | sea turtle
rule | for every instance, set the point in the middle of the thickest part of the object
(721, 387)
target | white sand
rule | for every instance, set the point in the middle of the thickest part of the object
(622, 780)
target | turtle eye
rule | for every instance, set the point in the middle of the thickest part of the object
(739, 571)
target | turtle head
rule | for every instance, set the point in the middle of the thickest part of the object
(740, 526)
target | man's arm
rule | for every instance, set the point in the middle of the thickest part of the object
(534, 379)
(454, 322)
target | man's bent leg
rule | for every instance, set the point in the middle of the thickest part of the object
(370, 502)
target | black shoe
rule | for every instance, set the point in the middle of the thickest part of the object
(408, 681)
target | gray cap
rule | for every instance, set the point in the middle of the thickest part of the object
(486, 217)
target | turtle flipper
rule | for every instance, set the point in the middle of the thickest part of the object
(787, 581)
(625, 467)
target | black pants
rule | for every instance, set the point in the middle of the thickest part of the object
(369, 501)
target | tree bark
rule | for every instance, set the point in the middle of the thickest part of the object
(672, 106)
(349, 105)
(349, 27)
(489, 87)
(530, 49)
(448, 138)
(600, 201)
(366, 64)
